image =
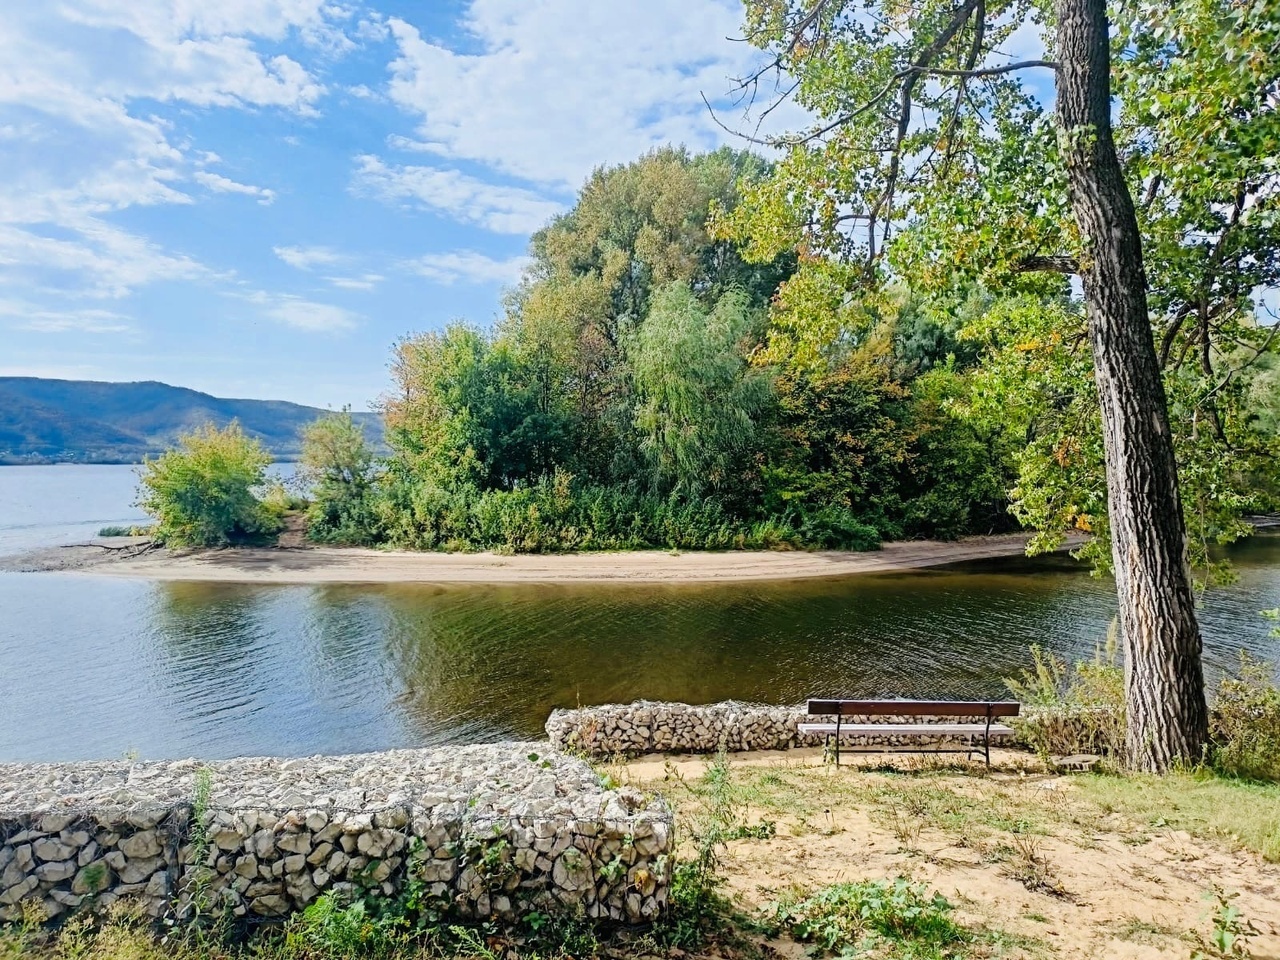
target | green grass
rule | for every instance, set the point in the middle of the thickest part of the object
(1243, 814)
(896, 919)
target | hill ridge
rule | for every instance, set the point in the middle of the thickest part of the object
(48, 420)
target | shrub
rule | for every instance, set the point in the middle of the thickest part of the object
(835, 528)
(555, 514)
(1245, 723)
(1073, 709)
(133, 531)
(857, 918)
(339, 465)
(201, 494)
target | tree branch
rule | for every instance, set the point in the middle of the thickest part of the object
(1050, 264)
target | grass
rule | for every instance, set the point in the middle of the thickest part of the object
(1245, 815)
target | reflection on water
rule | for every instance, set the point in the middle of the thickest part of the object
(101, 667)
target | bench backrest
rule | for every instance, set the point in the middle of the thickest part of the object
(914, 708)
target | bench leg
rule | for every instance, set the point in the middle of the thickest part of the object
(837, 741)
(986, 739)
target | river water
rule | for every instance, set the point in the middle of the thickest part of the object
(101, 667)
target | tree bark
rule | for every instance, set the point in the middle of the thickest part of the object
(1164, 680)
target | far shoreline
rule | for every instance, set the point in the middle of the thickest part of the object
(352, 565)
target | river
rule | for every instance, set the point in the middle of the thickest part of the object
(103, 667)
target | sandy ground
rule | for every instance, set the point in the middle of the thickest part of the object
(1114, 889)
(119, 557)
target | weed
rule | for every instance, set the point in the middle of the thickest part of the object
(1229, 938)
(1029, 866)
(1135, 930)
(1245, 721)
(1073, 709)
(855, 918)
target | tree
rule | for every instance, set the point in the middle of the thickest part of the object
(201, 493)
(466, 411)
(697, 400)
(338, 464)
(926, 143)
(634, 229)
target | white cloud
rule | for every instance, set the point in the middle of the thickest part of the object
(99, 260)
(78, 91)
(467, 199)
(558, 87)
(469, 267)
(40, 320)
(304, 258)
(303, 314)
(365, 281)
(221, 184)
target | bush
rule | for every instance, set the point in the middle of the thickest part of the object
(1073, 709)
(555, 514)
(836, 528)
(1245, 723)
(858, 918)
(201, 494)
(338, 464)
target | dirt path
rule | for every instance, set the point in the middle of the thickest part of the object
(1020, 852)
(295, 564)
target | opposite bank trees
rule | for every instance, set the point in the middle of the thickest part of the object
(930, 160)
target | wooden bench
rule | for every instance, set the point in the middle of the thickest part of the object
(983, 711)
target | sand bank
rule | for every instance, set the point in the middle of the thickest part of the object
(114, 557)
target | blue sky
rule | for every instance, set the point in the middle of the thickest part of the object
(257, 197)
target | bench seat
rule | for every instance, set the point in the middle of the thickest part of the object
(909, 729)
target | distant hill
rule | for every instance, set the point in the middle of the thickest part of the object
(86, 421)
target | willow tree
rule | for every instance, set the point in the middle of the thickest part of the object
(929, 139)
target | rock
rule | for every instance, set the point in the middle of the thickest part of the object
(271, 905)
(295, 842)
(87, 853)
(56, 872)
(144, 844)
(48, 849)
(94, 878)
(17, 893)
(246, 866)
(158, 885)
(138, 869)
(320, 854)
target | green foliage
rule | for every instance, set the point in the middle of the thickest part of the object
(338, 464)
(899, 919)
(556, 514)
(331, 928)
(1244, 723)
(955, 185)
(202, 494)
(134, 531)
(1229, 937)
(696, 908)
(698, 402)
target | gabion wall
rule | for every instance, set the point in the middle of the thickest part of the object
(650, 727)
(492, 831)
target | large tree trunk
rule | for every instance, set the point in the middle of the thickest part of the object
(1164, 681)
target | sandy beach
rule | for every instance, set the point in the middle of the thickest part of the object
(115, 557)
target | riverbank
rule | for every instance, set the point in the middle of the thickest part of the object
(124, 557)
(889, 856)
(1032, 863)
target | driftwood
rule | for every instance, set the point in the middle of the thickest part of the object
(126, 550)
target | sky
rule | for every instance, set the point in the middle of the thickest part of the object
(256, 198)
